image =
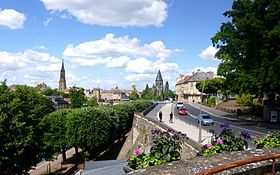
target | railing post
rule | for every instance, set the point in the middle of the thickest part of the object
(273, 166)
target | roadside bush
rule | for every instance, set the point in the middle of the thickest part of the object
(166, 147)
(269, 141)
(225, 141)
(244, 100)
(211, 101)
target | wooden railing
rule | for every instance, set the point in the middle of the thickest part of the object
(238, 163)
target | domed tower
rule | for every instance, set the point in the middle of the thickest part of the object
(159, 84)
(62, 80)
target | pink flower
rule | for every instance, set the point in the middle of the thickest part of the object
(220, 141)
(137, 151)
(208, 145)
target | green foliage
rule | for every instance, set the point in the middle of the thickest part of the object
(77, 97)
(21, 112)
(169, 94)
(248, 47)
(269, 141)
(211, 86)
(134, 93)
(92, 102)
(211, 101)
(245, 100)
(225, 141)
(166, 148)
(89, 128)
(54, 126)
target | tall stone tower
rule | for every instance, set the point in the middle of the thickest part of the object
(166, 87)
(62, 80)
(159, 84)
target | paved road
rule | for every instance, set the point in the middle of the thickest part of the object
(189, 125)
(179, 124)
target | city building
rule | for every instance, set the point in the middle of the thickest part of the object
(186, 90)
(62, 80)
(59, 102)
(112, 95)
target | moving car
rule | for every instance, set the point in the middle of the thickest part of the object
(182, 111)
(179, 105)
(205, 119)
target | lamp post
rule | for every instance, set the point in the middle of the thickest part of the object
(200, 126)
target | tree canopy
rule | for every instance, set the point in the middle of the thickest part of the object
(134, 93)
(211, 86)
(249, 46)
(21, 111)
(77, 97)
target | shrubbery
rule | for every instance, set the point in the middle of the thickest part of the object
(269, 141)
(90, 128)
(225, 141)
(166, 148)
(244, 100)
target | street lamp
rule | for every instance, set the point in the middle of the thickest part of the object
(200, 127)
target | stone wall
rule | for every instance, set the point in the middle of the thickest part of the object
(141, 135)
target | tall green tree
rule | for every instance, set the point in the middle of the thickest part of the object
(92, 101)
(134, 93)
(211, 86)
(77, 97)
(54, 138)
(21, 111)
(249, 46)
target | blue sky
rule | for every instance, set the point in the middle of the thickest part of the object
(107, 43)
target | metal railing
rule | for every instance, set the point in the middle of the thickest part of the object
(238, 163)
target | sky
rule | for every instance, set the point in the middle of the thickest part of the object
(107, 43)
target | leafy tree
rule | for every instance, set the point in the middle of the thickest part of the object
(92, 101)
(55, 140)
(21, 111)
(148, 93)
(50, 92)
(134, 93)
(77, 97)
(211, 86)
(169, 94)
(89, 128)
(249, 47)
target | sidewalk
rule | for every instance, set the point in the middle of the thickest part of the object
(191, 130)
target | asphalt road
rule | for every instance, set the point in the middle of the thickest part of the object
(237, 126)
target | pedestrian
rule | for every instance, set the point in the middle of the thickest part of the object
(160, 116)
(171, 118)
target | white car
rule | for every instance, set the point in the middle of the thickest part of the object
(205, 119)
(179, 105)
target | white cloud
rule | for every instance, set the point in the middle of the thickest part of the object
(29, 67)
(209, 53)
(115, 51)
(139, 77)
(12, 18)
(111, 12)
(206, 69)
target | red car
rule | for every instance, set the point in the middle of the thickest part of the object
(182, 111)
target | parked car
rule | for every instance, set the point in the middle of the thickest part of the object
(179, 105)
(182, 111)
(205, 119)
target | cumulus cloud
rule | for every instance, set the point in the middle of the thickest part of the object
(111, 12)
(12, 18)
(209, 53)
(29, 67)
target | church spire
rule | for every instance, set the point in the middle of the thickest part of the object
(62, 80)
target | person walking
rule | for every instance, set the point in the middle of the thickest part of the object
(171, 117)
(160, 116)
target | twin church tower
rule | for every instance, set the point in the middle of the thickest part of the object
(159, 88)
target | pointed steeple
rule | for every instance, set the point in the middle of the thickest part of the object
(62, 80)
(159, 77)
